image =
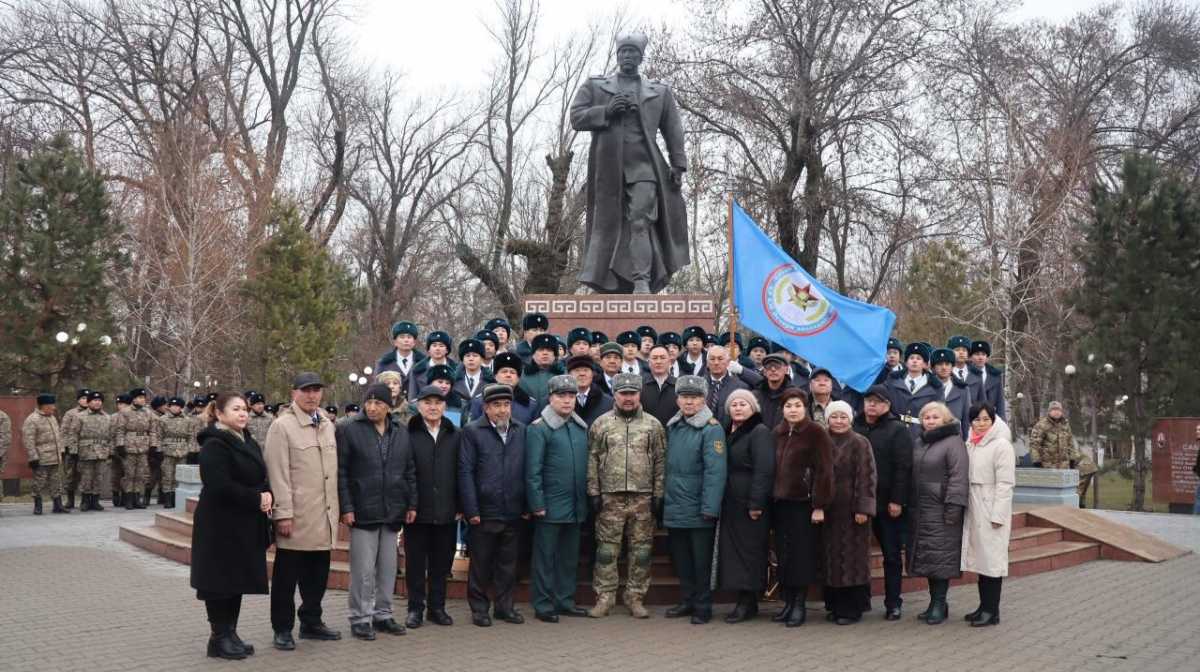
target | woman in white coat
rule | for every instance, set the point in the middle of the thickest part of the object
(988, 522)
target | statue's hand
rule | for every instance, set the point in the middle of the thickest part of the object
(616, 105)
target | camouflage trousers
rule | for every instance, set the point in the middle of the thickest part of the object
(90, 476)
(624, 514)
(70, 473)
(116, 472)
(136, 468)
(168, 472)
(47, 481)
(154, 475)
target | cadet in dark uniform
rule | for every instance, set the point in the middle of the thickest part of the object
(471, 377)
(892, 365)
(532, 326)
(759, 348)
(649, 338)
(691, 360)
(599, 338)
(491, 345)
(961, 345)
(954, 393)
(988, 378)
(579, 342)
(404, 357)
(437, 347)
(631, 350)
(911, 390)
(503, 332)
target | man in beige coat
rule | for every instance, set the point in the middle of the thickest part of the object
(43, 443)
(301, 456)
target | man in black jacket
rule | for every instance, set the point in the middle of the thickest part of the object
(429, 541)
(590, 401)
(658, 391)
(491, 486)
(893, 448)
(377, 495)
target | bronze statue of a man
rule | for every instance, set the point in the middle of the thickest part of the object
(636, 235)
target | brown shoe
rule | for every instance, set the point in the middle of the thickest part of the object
(636, 609)
(604, 604)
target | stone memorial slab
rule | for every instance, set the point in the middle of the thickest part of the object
(1047, 487)
(1172, 459)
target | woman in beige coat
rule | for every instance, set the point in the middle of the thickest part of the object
(988, 523)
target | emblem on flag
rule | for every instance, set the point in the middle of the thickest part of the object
(794, 304)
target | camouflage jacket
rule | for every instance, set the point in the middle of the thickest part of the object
(1050, 442)
(136, 429)
(69, 427)
(626, 454)
(258, 426)
(177, 433)
(91, 435)
(43, 440)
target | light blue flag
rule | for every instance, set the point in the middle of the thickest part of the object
(781, 301)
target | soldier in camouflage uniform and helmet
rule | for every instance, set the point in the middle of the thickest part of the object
(70, 463)
(177, 433)
(91, 434)
(626, 454)
(43, 442)
(135, 434)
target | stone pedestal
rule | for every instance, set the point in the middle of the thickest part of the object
(1047, 487)
(187, 484)
(614, 313)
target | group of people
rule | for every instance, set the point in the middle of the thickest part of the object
(732, 454)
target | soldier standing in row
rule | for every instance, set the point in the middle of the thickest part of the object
(626, 452)
(260, 420)
(116, 463)
(135, 434)
(178, 434)
(70, 464)
(43, 442)
(91, 435)
(154, 457)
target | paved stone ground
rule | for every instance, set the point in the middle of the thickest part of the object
(1175, 528)
(72, 597)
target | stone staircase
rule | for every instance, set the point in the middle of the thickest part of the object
(1038, 545)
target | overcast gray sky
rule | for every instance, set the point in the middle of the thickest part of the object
(445, 41)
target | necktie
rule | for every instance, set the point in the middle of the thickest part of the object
(471, 384)
(912, 386)
(316, 418)
(581, 399)
(713, 390)
(404, 365)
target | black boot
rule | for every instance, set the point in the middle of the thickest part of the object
(118, 499)
(130, 502)
(37, 506)
(138, 502)
(170, 500)
(96, 506)
(58, 507)
(146, 496)
(746, 609)
(785, 611)
(222, 645)
(162, 498)
(799, 613)
(939, 610)
(71, 500)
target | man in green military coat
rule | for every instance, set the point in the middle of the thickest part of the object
(556, 462)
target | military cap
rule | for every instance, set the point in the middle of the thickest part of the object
(82, 393)
(776, 347)
(440, 372)
(981, 346)
(273, 409)
(710, 339)
(498, 323)
(487, 335)
(611, 348)
(468, 346)
(439, 337)
(535, 321)
(45, 398)
(895, 344)
(562, 384)
(691, 385)
(670, 338)
(821, 371)
(94, 395)
(353, 408)
(579, 362)
(405, 328)
(647, 331)
(942, 356)
(431, 391)
(212, 396)
(928, 347)
(693, 332)
(724, 339)
(634, 39)
(579, 334)
(959, 342)
(332, 409)
(137, 392)
(254, 397)
(198, 401)
(599, 338)
(544, 342)
(878, 391)
(507, 360)
(126, 399)
(629, 338)
(497, 392)
(375, 392)
(627, 382)
(775, 358)
(176, 401)
(760, 342)
(158, 402)
(306, 379)
(916, 349)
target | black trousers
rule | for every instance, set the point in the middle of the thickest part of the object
(493, 565)
(310, 571)
(692, 554)
(889, 532)
(847, 601)
(428, 559)
(223, 613)
(989, 593)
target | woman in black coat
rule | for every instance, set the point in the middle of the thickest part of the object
(231, 528)
(940, 489)
(745, 525)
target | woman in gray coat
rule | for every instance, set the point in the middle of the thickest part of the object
(940, 487)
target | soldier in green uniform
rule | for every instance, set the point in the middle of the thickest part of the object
(43, 442)
(91, 434)
(135, 434)
(260, 420)
(1052, 446)
(626, 453)
(177, 433)
(556, 459)
(70, 468)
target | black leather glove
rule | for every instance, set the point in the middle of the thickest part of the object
(952, 514)
(34, 464)
(121, 451)
(1074, 464)
(597, 502)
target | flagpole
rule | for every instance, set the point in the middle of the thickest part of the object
(733, 311)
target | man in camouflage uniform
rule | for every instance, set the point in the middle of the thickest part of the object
(260, 421)
(43, 442)
(626, 453)
(1052, 447)
(135, 434)
(177, 433)
(5, 443)
(70, 463)
(154, 457)
(198, 421)
(91, 435)
(116, 463)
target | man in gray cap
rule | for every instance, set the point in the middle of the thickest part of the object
(626, 453)
(301, 456)
(556, 457)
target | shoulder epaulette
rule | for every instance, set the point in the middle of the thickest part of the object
(713, 421)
